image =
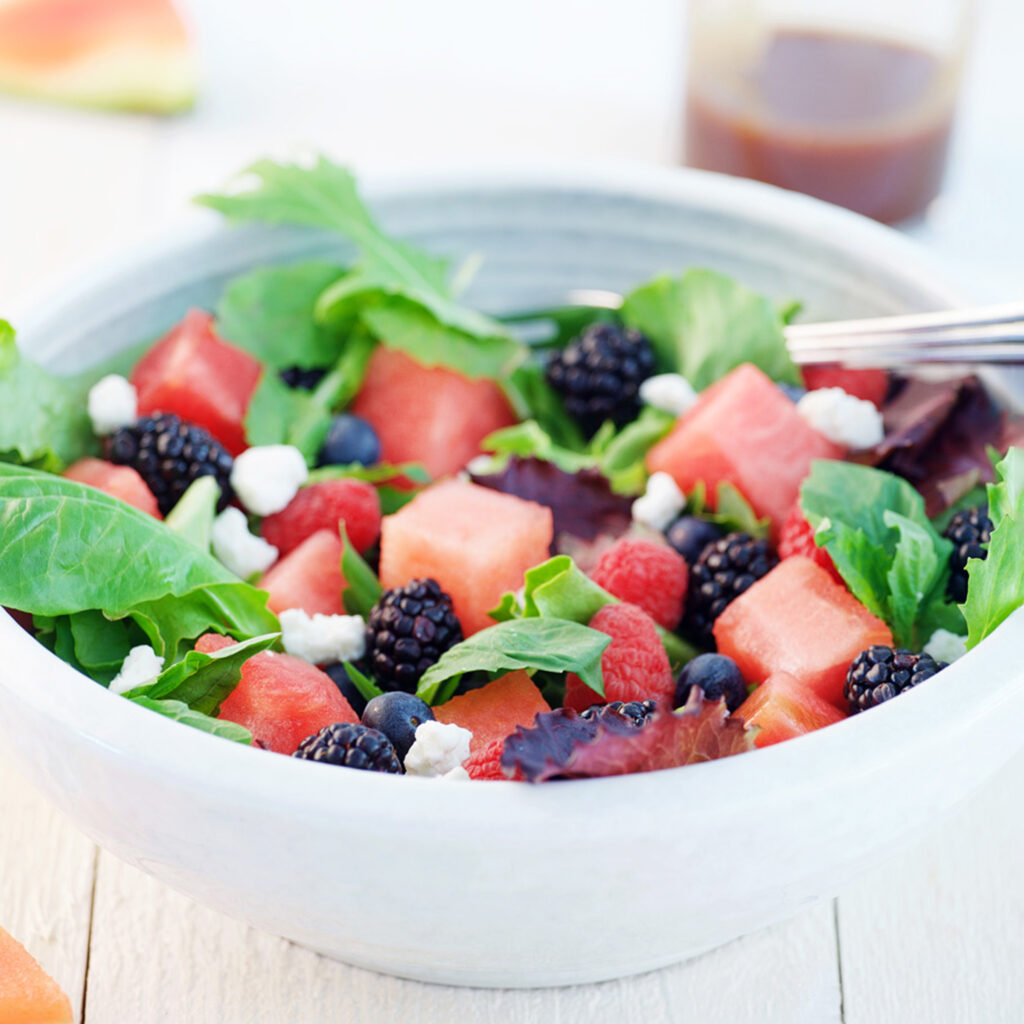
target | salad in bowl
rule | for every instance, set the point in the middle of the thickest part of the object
(343, 516)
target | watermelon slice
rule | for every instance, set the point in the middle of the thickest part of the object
(202, 379)
(28, 995)
(746, 432)
(870, 385)
(429, 415)
(118, 481)
(475, 542)
(280, 699)
(309, 577)
(493, 712)
(116, 54)
(798, 620)
(783, 708)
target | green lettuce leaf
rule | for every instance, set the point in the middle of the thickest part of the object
(193, 515)
(90, 642)
(181, 712)
(362, 588)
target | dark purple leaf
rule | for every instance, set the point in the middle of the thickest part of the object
(582, 503)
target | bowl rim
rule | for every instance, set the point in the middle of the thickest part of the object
(158, 747)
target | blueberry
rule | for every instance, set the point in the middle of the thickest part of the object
(717, 675)
(792, 391)
(690, 536)
(350, 439)
(346, 686)
(397, 714)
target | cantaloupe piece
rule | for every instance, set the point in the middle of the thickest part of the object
(115, 54)
(28, 995)
(308, 577)
(783, 708)
(493, 712)
(475, 542)
(743, 430)
(798, 620)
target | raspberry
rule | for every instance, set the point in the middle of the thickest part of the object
(797, 538)
(649, 575)
(320, 507)
(485, 762)
(634, 665)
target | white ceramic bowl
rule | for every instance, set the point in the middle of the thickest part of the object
(509, 884)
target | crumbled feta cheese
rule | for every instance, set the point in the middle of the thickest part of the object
(842, 418)
(323, 639)
(946, 646)
(113, 403)
(140, 667)
(267, 477)
(669, 392)
(241, 551)
(438, 748)
(660, 503)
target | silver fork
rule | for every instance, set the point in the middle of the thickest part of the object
(983, 335)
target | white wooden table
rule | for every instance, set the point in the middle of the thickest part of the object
(936, 936)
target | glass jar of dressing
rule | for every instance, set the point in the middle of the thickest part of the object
(851, 101)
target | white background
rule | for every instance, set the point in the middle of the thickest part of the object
(408, 84)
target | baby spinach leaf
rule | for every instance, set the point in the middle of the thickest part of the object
(554, 645)
(362, 588)
(89, 641)
(181, 712)
(367, 688)
(204, 680)
(193, 515)
(995, 588)
(704, 324)
(531, 397)
(622, 458)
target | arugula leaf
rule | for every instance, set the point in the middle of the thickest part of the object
(554, 645)
(362, 588)
(892, 558)
(269, 312)
(203, 681)
(43, 418)
(995, 587)
(193, 515)
(68, 548)
(703, 324)
(181, 712)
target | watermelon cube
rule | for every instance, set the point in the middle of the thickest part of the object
(870, 385)
(280, 699)
(28, 995)
(428, 414)
(798, 620)
(202, 379)
(308, 577)
(783, 708)
(493, 712)
(118, 481)
(743, 430)
(475, 542)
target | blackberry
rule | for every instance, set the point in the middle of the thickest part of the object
(302, 380)
(881, 673)
(599, 375)
(408, 630)
(969, 530)
(634, 712)
(351, 746)
(169, 454)
(725, 569)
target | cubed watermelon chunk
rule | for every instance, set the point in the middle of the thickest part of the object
(493, 712)
(745, 431)
(870, 385)
(117, 481)
(309, 577)
(321, 507)
(28, 995)
(798, 620)
(431, 415)
(477, 543)
(783, 708)
(204, 380)
(280, 699)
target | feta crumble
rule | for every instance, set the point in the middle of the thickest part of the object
(241, 551)
(267, 477)
(842, 418)
(660, 503)
(439, 748)
(323, 639)
(946, 646)
(113, 403)
(141, 666)
(669, 392)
